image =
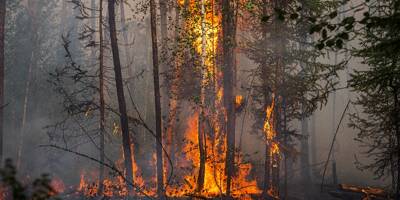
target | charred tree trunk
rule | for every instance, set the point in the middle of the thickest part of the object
(396, 119)
(157, 101)
(102, 103)
(93, 26)
(229, 40)
(201, 131)
(264, 66)
(174, 91)
(167, 103)
(126, 140)
(2, 34)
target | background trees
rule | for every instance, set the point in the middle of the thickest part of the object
(219, 60)
(372, 26)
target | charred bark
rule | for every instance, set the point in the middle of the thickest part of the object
(201, 131)
(229, 40)
(126, 140)
(157, 101)
(102, 103)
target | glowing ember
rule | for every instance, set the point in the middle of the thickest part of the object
(58, 185)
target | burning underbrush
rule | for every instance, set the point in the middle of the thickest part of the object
(185, 184)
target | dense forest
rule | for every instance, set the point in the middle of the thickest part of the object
(199, 99)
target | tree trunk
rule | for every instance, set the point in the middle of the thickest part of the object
(304, 158)
(174, 92)
(334, 174)
(102, 103)
(264, 66)
(168, 104)
(397, 129)
(201, 131)
(93, 26)
(229, 40)
(157, 101)
(2, 34)
(120, 94)
(313, 137)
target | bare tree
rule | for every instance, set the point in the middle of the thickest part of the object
(157, 100)
(126, 140)
(101, 93)
(228, 43)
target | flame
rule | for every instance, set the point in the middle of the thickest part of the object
(239, 100)
(273, 145)
(214, 180)
(89, 184)
(204, 35)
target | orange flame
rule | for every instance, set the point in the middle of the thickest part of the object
(273, 145)
(214, 180)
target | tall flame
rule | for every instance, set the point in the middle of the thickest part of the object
(205, 35)
(214, 181)
(273, 147)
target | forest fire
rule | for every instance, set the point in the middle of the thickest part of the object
(116, 186)
(199, 99)
(206, 35)
(273, 151)
(214, 180)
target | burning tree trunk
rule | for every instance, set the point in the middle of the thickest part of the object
(157, 100)
(2, 33)
(120, 94)
(266, 102)
(229, 40)
(201, 131)
(101, 93)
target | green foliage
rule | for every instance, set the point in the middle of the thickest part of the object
(377, 35)
(378, 86)
(286, 65)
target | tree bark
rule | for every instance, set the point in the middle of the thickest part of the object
(2, 63)
(397, 129)
(201, 131)
(229, 40)
(264, 66)
(157, 101)
(102, 103)
(126, 140)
